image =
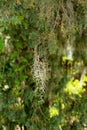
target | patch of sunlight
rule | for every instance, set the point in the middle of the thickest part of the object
(85, 78)
(6, 87)
(53, 111)
(84, 84)
(69, 52)
(73, 87)
(64, 58)
(63, 106)
(84, 81)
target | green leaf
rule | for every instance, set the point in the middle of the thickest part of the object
(33, 36)
(24, 60)
(14, 54)
(52, 46)
(1, 43)
(19, 45)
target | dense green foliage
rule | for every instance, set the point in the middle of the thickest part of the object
(43, 64)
